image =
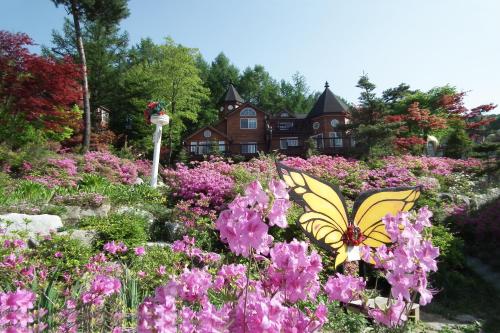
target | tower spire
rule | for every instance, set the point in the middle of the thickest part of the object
(326, 84)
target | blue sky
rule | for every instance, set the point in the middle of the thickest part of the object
(424, 43)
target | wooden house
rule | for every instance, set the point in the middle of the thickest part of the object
(245, 129)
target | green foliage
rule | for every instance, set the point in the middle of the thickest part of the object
(75, 254)
(458, 144)
(130, 229)
(155, 256)
(25, 191)
(166, 72)
(451, 247)
(341, 320)
(120, 193)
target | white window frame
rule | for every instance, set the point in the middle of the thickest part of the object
(193, 147)
(248, 121)
(317, 136)
(285, 125)
(245, 147)
(222, 146)
(289, 142)
(203, 147)
(336, 139)
(316, 125)
(248, 112)
(336, 122)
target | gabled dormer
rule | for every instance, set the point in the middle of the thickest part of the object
(230, 101)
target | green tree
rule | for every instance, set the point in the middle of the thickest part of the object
(166, 72)
(258, 87)
(108, 13)
(459, 144)
(220, 74)
(295, 95)
(372, 134)
(105, 50)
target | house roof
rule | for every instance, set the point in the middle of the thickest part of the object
(232, 95)
(204, 128)
(327, 103)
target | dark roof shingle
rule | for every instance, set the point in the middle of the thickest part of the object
(327, 103)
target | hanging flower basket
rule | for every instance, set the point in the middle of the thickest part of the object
(156, 113)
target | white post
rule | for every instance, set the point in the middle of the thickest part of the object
(159, 121)
(156, 155)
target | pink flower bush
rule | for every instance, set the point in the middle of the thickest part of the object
(292, 272)
(110, 166)
(243, 225)
(405, 265)
(15, 311)
(344, 288)
(102, 287)
(202, 191)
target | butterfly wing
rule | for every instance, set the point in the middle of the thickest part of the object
(325, 218)
(371, 206)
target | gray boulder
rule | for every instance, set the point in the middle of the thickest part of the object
(86, 237)
(136, 211)
(77, 212)
(33, 224)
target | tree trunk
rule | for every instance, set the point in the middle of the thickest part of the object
(170, 134)
(86, 97)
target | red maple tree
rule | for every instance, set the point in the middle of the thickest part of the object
(36, 89)
(416, 124)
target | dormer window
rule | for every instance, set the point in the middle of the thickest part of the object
(248, 112)
(284, 115)
(334, 123)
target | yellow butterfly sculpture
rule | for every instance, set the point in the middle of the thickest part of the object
(326, 222)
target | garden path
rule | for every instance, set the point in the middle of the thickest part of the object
(485, 272)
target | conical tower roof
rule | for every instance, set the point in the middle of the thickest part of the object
(232, 95)
(327, 103)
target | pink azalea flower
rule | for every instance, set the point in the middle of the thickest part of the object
(139, 251)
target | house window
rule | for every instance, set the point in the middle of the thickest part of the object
(285, 125)
(335, 139)
(284, 115)
(222, 146)
(249, 148)
(248, 112)
(318, 141)
(193, 147)
(315, 125)
(203, 147)
(334, 123)
(289, 142)
(207, 133)
(248, 123)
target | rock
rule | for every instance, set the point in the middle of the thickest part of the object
(445, 196)
(137, 211)
(463, 199)
(77, 212)
(86, 237)
(160, 244)
(466, 318)
(37, 224)
(175, 230)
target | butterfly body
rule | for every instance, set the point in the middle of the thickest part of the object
(326, 220)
